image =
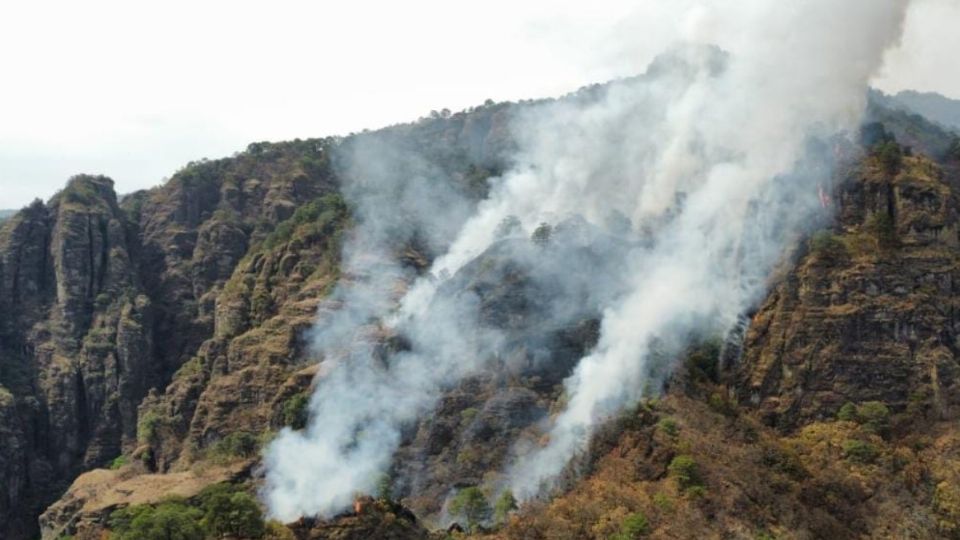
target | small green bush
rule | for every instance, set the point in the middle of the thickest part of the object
(385, 487)
(663, 502)
(295, 411)
(239, 444)
(541, 235)
(875, 416)
(847, 413)
(634, 526)
(702, 359)
(889, 155)
(860, 451)
(880, 224)
(118, 462)
(230, 512)
(471, 504)
(147, 427)
(170, 520)
(669, 426)
(685, 471)
(827, 245)
(467, 415)
(506, 503)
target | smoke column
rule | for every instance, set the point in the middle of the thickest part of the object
(713, 157)
(797, 71)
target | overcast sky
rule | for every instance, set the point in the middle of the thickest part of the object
(134, 90)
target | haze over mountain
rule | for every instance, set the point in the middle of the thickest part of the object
(933, 106)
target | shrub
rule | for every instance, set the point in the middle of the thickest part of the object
(889, 155)
(541, 235)
(685, 472)
(278, 531)
(669, 426)
(508, 226)
(848, 412)
(147, 427)
(663, 502)
(875, 416)
(239, 444)
(385, 488)
(472, 505)
(228, 511)
(171, 520)
(880, 224)
(784, 459)
(702, 359)
(323, 212)
(295, 411)
(722, 404)
(506, 503)
(118, 462)
(633, 526)
(827, 245)
(467, 415)
(860, 451)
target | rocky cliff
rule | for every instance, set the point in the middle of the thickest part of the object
(203, 284)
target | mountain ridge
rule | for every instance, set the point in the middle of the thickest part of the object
(161, 334)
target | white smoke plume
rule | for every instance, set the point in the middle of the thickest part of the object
(713, 158)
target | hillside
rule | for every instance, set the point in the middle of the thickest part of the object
(153, 344)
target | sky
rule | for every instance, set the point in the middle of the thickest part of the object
(135, 90)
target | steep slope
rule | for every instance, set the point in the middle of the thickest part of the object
(839, 420)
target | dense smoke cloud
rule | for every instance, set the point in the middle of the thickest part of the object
(690, 182)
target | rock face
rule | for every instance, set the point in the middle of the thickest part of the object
(873, 317)
(155, 326)
(76, 342)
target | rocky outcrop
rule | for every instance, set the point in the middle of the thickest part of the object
(203, 342)
(870, 313)
(76, 344)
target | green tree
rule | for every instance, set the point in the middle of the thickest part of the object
(171, 520)
(685, 472)
(541, 235)
(385, 488)
(295, 412)
(890, 156)
(506, 503)
(847, 413)
(633, 527)
(228, 511)
(860, 451)
(508, 226)
(881, 225)
(875, 416)
(825, 244)
(471, 504)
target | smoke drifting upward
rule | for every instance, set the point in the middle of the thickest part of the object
(710, 163)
